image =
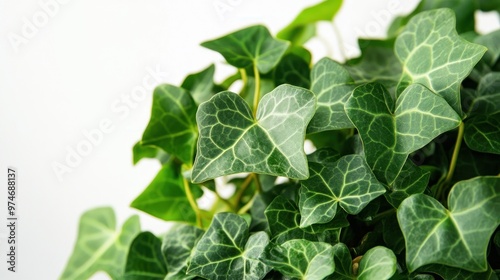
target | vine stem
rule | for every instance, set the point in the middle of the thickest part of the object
(244, 78)
(247, 206)
(243, 188)
(256, 95)
(453, 163)
(192, 202)
(258, 190)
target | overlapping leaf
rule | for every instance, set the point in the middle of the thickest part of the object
(435, 56)
(390, 134)
(165, 197)
(250, 46)
(145, 259)
(301, 259)
(172, 126)
(141, 151)
(232, 140)
(349, 183)
(200, 85)
(100, 246)
(332, 85)
(461, 233)
(411, 180)
(177, 246)
(227, 251)
(293, 70)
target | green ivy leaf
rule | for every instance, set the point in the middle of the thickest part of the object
(392, 234)
(99, 246)
(232, 140)
(141, 151)
(332, 85)
(177, 246)
(461, 233)
(165, 197)
(226, 251)
(172, 126)
(343, 263)
(411, 180)
(250, 46)
(301, 259)
(303, 28)
(389, 135)
(145, 259)
(448, 272)
(200, 85)
(325, 156)
(435, 56)
(293, 70)
(349, 183)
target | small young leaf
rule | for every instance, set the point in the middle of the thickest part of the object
(301, 259)
(388, 138)
(99, 246)
(332, 85)
(349, 183)
(200, 85)
(378, 263)
(461, 233)
(343, 263)
(250, 46)
(435, 56)
(232, 141)
(177, 246)
(145, 259)
(165, 197)
(226, 251)
(172, 126)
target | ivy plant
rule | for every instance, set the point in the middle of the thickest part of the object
(402, 180)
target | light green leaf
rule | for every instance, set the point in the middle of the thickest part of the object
(461, 233)
(233, 141)
(435, 56)
(482, 127)
(411, 180)
(332, 85)
(145, 259)
(377, 263)
(177, 246)
(458, 274)
(250, 46)
(226, 251)
(349, 183)
(165, 197)
(303, 28)
(99, 246)
(389, 135)
(172, 126)
(200, 85)
(140, 151)
(293, 70)
(301, 259)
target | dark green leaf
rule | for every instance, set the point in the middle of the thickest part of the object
(392, 234)
(226, 251)
(411, 180)
(293, 70)
(343, 263)
(448, 272)
(389, 135)
(145, 259)
(324, 156)
(232, 140)
(250, 46)
(172, 126)
(99, 246)
(140, 151)
(349, 183)
(200, 85)
(301, 259)
(461, 233)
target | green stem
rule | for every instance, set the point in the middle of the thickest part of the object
(220, 198)
(256, 95)
(243, 188)
(244, 78)
(192, 202)
(247, 206)
(442, 187)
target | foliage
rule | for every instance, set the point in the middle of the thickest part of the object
(404, 182)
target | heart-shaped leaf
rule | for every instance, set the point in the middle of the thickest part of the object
(99, 246)
(227, 251)
(172, 126)
(250, 46)
(348, 183)
(435, 56)
(145, 259)
(177, 245)
(332, 85)
(389, 135)
(201, 84)
(461, 233)
(232, 140)
(301, 259)
(165, 197)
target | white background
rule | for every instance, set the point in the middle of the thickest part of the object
(67, 74)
